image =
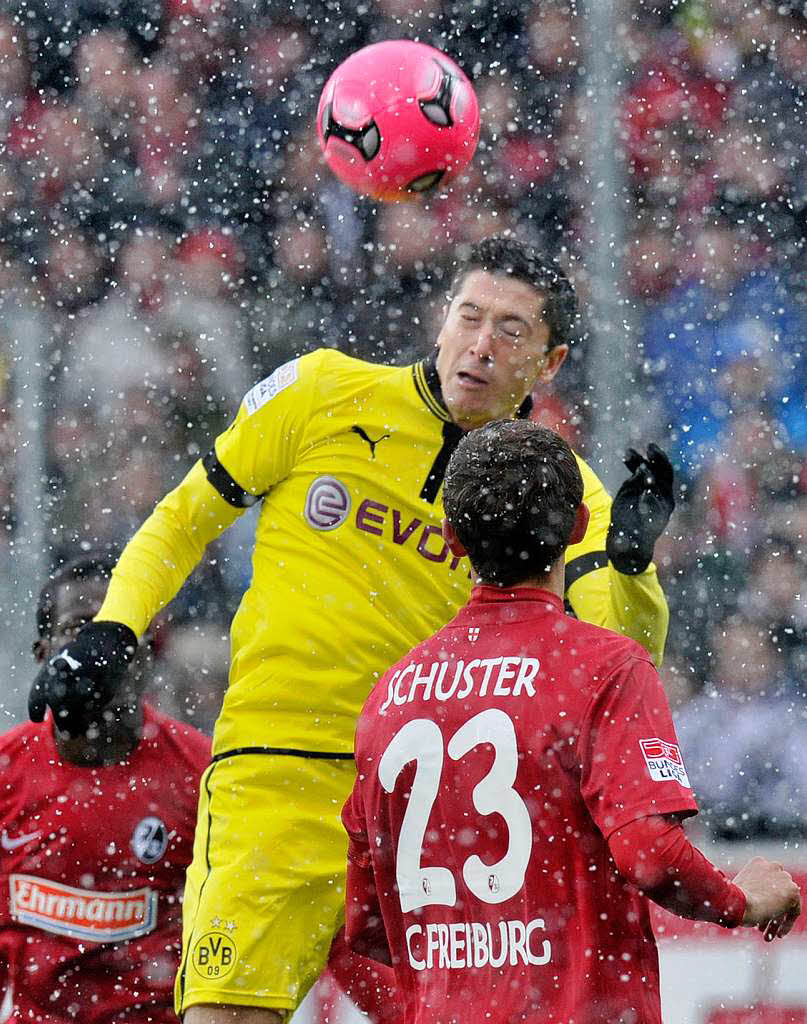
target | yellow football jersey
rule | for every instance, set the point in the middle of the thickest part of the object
(350, 569)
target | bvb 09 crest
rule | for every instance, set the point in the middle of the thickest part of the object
(214, 955)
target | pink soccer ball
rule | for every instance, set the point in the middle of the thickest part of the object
(397, 119)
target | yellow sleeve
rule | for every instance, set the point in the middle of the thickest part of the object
(255, 452)
(261, 446)
(162, 554)
(597, 593)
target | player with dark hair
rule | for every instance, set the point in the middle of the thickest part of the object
(524, 263)
(349, 571)
(495, 524)
(520, 789)
(96, 832)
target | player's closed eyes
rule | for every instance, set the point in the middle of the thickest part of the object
(509, 332)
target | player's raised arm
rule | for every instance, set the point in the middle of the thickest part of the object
(252, 455)
(610, 577)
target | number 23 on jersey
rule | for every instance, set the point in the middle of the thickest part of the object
(421, 741)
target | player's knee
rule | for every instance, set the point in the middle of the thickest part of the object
(209, 1014)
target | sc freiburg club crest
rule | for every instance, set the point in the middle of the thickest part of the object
(150, 840)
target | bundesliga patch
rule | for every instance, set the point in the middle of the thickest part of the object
(327, 503)
(82, 913)
(270, 386)
(664, 761)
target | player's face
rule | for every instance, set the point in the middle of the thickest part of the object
(493, 348)
(75, 604)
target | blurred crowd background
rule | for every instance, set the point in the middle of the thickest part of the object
(167, 223)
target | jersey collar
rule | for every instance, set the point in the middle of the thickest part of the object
(428, 387)
(486, 594)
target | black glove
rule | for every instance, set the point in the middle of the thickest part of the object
(79, 681)
(641, 510)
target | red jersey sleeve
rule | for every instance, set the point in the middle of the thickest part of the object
(364, 924)
(630, 760)
(656, 856)
(353, 817)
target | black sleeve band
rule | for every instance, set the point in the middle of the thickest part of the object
(221, 480)
(583, 565)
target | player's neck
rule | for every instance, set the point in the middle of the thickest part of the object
(553, 581)
(111, 743)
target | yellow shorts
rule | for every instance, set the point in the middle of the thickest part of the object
(265, 892)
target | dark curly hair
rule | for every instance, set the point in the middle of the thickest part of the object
(500, 255)
(511, 493)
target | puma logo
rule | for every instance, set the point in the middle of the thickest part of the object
(363, 435)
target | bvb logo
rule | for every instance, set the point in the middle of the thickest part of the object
(214, 955)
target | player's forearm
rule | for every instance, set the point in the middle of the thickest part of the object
(655, 855)
(370, 940)
(640, 609)
(162, 554)
(632, 605)
(365, 933)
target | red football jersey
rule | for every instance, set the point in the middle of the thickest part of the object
(92, 866)
(493, 763)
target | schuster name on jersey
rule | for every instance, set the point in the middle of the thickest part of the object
(445, 680)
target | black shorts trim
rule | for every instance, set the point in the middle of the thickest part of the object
(221, 481)
(583, 565)
(315, 755)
